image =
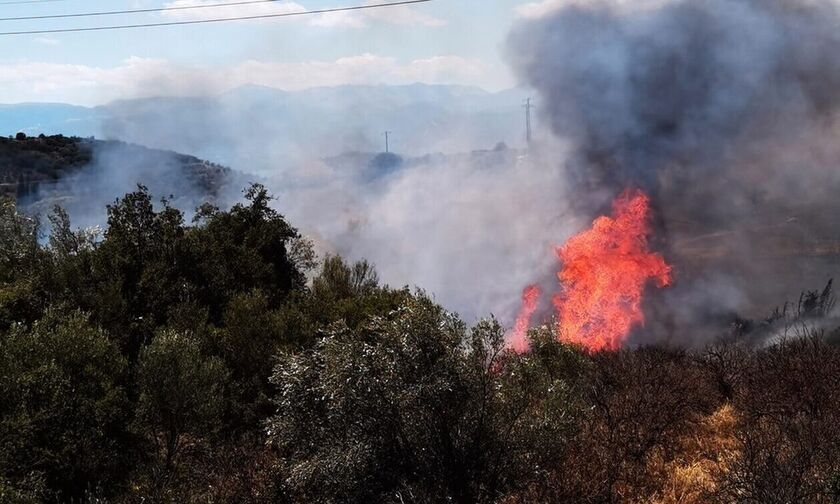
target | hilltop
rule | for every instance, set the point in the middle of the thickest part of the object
(84, 173)
(28, 161)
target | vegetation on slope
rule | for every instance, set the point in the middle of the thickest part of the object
(29, 164)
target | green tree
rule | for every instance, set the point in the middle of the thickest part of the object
(70, 266)
(139, 268)
(21, 266)
(181, 392)
(251, 337)
(249, 247)
(413, 407)
(65, 412)
(341, 291)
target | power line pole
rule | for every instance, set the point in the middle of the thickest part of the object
(387, 146)
(528, 107)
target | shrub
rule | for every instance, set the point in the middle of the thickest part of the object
(181, 392)
(64, 413)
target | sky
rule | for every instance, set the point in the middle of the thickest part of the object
(441, 42)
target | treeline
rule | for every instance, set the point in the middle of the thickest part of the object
(25, 162)
(41, 157)
(216, 361)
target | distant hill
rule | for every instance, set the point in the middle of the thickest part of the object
(260, 129)
(368, 166)
(26, 162)
(84, 174)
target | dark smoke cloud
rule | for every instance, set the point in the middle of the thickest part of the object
(726, 111)
(682, 82)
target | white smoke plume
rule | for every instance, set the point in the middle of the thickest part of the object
(472, 230)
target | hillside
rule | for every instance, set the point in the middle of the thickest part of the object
(26, 161)
(79, 173)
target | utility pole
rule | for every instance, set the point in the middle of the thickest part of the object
(528, 107)
(387, 146)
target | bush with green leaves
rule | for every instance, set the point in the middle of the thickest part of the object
(64, 414)
(21, 266)
(170, 362)
(413, 407)
(251, 246)
(181, 392)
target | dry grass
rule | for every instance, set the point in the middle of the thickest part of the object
(702, 458)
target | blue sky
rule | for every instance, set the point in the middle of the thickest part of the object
(444, 41)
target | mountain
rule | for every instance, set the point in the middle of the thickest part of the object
(260, 129)
(49, 118)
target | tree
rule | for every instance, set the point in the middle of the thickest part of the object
(69, 267)
(139, 269)
(21, 266)
(249, 247)
(251, 337)
(65, 412)
(181, 392)
(412, 407)
(349, 292)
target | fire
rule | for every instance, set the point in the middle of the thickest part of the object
(519, 338)
(603, 275)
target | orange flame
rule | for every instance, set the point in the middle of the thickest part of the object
(604, 272)
(518, 341)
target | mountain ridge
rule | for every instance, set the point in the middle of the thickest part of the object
(259, 129)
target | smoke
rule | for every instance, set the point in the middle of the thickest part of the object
(469, 229)
(117, 168)
(264, 130)
(726, 112)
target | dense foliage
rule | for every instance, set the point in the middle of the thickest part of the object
(218, 362)
(28, 160)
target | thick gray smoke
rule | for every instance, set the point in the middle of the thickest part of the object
(726, 111)
(685, 82)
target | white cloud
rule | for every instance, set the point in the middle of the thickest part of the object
(258, 9)
(143, 77)
(534, 10)
(442, 69)
(402, 15)
(49, 41)
(397, 15)
(345, 19)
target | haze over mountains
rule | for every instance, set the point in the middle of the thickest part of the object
(260, 129)
(319, 152)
